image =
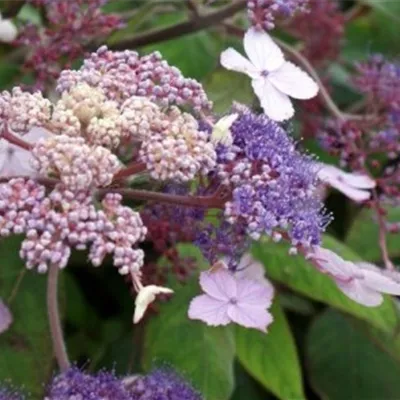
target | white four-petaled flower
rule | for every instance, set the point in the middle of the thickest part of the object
(221, 132)
(8, 31)
(273, 78)
(146, 295)
(362, 282)
(355, 186)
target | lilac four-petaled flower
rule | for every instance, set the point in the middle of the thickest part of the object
(228, 299)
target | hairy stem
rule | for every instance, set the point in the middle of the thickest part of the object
(194, 25)
(54, 319)
(382, 232)
(10, 137)
(130, 169)
(217, 200)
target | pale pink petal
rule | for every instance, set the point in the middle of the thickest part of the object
(233, 60)
(8, 31)
(332, 264)
(349, 184)
(219, 284)
(250, 316)
(360, 293)
(357, 180)
(5, 317)
(275, 104)
(262, 50)
(251, 292)
(250, 268)
(3, 154)
(209, 310)
(375, 280)
(293, 81)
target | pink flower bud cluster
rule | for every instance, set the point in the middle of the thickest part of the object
(124, 74)
(22, 110)
(71, 25)
(78, 165)
(180, 151)
(64, 220)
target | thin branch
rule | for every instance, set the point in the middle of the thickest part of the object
(131, 169)
(382, 232)
(54, 319)
(10, 137)
(216, 200)
(183, 28)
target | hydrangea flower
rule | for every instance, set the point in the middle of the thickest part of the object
(145, 296)
(163, 385)
(75, 384)
(230, 299)
(273, 78)
(363, 283)
(5, 317)
(10, 394)
(355, 186)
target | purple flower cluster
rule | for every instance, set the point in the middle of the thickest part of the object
(162, 385)
(124, 74)
(263, 13)
(64, 220)
(8, 394)
(379, 79)
(273, 185)
(74, 384)
(158, 385)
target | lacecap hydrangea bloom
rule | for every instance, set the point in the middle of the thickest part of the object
(122, 117)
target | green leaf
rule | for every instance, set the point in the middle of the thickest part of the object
(390, 9)
(299, 275)
(272, 358)
(246, 387)
(363, 235)
(344, 364)
(25, 349)
(223, 87)
(204, 355)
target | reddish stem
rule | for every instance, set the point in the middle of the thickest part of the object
(131, 169)
(217, 200)
(10, 137)
(382, 232)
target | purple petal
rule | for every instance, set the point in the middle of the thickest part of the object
(209, 310)
(220, 284)
(360, 293)
(250, 292)
(250, 316)
(5, 317)
(330, 263)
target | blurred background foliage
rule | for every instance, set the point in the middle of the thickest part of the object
(321, 345)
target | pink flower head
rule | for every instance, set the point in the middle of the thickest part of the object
(355, 186)
(231, 299)
(363, 283)
(5, 317)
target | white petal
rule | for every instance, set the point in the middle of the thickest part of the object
(146, 296)
(374, 279)
(293, 81)
(233, 60)
(359, 181)
(221, 131)
(262, 50)
(209, 310)
(360, 293)
(275, 104)
(8, 31)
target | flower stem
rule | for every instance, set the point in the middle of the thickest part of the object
(10, 137)
(54, 320)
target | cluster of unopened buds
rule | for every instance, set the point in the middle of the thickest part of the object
(69, 164)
